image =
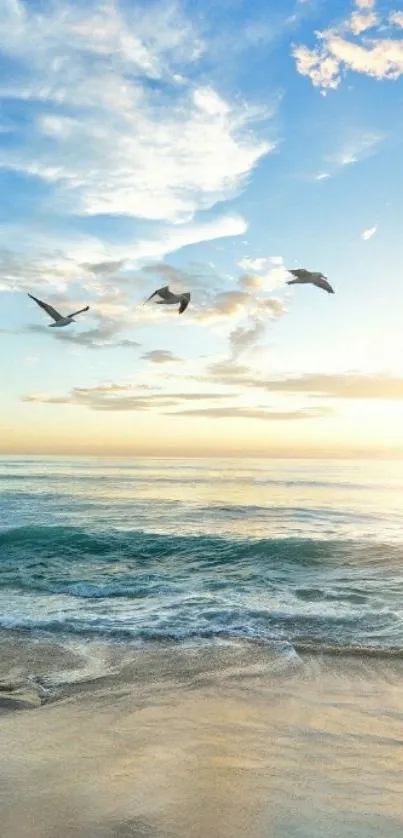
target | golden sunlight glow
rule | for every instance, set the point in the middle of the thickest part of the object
(355, 427)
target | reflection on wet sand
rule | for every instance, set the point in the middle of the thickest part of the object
(207, 743)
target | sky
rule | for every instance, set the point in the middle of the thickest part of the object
(210, 147)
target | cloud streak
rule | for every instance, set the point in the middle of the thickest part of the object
(236, 412)
(348, 386)
(359, 146)
(338, 386)
(368, 234)
(101, 337)
(159, 356)
(120, 397)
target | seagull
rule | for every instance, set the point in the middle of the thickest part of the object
(168, 298)
(304, 277)
(57, 317)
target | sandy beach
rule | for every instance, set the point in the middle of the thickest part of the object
(198, 742)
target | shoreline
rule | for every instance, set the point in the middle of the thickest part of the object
(36, 670)
(194, 743)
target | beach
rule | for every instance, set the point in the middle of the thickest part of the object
(190, 742)
(177, 666)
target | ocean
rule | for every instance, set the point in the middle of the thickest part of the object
(201, 648)
(289, 552)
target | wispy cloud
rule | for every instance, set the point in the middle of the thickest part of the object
(159, 356)
(231, 383)
(243, 337)
(121, 397)
(343, 386)
(236, 412)
(225, 305)
(104, 268)
(102, 336)
(114, 397)
(359, 145)
(62, 262)
(315, 385)
(355, 145)
(367, 234)
(117, 128)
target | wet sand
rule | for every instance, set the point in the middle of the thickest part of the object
(227, 740)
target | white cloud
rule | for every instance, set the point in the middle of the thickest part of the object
(396, 19)
(360, 22)
(272, 279)
(320, 67)
(367, 234)
(365, 4)
(322, 176)
(250, 282)
(334, 54)
(382, 59)
(258, 264)
(117, 144)
(268, 273)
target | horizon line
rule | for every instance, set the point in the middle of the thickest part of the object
(325, 455)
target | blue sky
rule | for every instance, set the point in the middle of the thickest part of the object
(209, 146)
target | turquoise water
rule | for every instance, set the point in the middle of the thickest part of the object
(290, 552)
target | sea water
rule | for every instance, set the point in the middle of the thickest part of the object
(288, 552)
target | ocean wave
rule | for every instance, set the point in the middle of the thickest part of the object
(198, 615)
(139, 585)
(24, 545)
(73, 540)
(99, 541)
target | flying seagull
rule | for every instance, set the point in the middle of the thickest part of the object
(168, 298)
(57, 317)
(304, 277)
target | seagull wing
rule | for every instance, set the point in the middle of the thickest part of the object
(184, 303)
(78, 312)
(48, 308)
(164, 293)
(301, 274)
(322, 282)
